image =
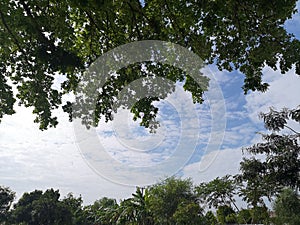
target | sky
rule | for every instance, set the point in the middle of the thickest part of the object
(197, 141)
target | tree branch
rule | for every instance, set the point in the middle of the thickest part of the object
(286, 126)
(93, 21)
(134, 20)
(16, 41)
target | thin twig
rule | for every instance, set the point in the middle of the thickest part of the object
(298, 133)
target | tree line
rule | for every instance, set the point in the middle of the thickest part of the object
(172, 201)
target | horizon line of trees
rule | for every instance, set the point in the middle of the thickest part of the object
(172, 201)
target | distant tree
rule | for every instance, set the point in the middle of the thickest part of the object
(102, 212)
(24, 208)
(6, 198)
(171, 199)
(136, 209)
(280, 163)
(287, 208)
(36, 208)
(256, 215)
(75, 207)
(218, 192)
(260, 215)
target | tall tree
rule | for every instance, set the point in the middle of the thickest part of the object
(24, 207)
(41, 38)
(280, 166)
(279, 163)
(136, 209)
(189, 213)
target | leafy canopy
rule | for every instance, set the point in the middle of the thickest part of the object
(42, 38)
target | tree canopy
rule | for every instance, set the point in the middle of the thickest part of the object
(42, 38)
(43, 208)
(172, 201)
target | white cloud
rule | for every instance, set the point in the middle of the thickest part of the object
(215, 164)
(130, 157)
(33, 159)
(284, 91)
(292, 25)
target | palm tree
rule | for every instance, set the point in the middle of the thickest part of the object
(134, 210)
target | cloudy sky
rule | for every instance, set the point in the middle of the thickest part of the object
(198, 141)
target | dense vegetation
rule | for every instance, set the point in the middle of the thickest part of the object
(173, 201)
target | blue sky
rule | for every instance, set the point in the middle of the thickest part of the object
(31, 159)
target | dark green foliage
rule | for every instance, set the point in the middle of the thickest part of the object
(136, 209)
(226, 215)
(103, 211)
(41, 38)
(287, 208)
(189, 213)
(6, 198)
(211, 218)
(244, 216)
(219, 191)
(171, 199)
(37, 208)
(260, 215)
(280, 166)
(73, 207)
(257, 215)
